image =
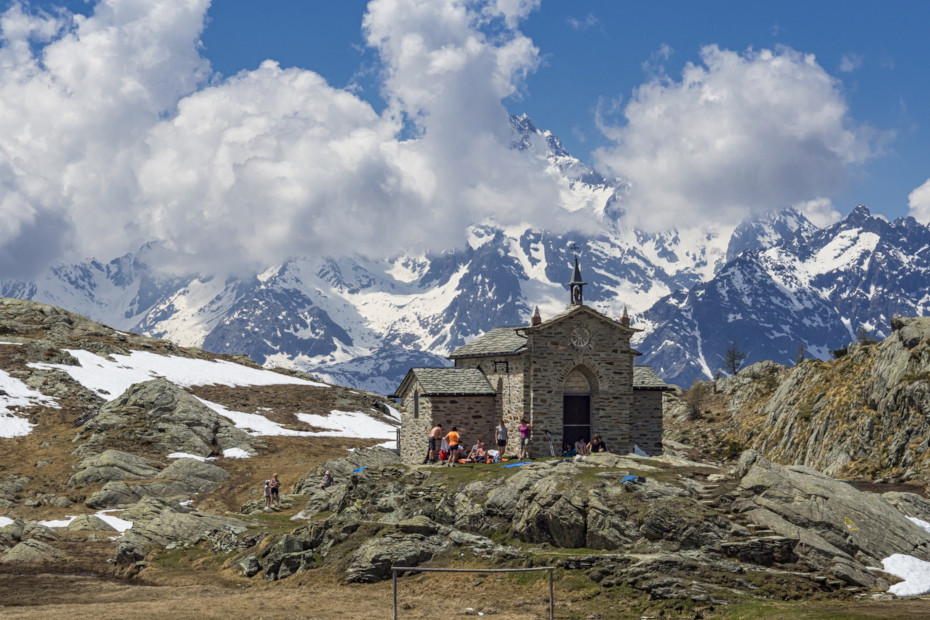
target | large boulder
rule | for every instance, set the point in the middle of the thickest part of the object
(157, 522)
(828, 516)
(113, 465)
(372, 561)
(162, 416)
(911, 504)
(343, 468)
(183, 477)
(90, 522)
(31, 550)
(10, 489)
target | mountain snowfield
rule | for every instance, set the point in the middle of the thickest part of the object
(110, 377)
(772, 285)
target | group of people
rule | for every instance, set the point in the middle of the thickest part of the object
(448, 448)
(272, 492)
(584, 447)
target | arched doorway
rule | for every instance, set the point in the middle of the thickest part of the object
(576, 407)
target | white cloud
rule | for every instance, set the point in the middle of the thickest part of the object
(850, 62)
(820, 211)
(740, 134)
(588, 21)
(918, 203)
(115, 131)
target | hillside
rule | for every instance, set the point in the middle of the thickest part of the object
(131, 469)
(861, 416)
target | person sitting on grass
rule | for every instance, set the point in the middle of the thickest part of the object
(581, 447)
(568, 451)
(478, 454)
(597, 445)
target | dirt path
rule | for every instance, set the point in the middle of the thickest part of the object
(79, 597)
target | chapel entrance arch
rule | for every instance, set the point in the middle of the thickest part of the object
(576, 404)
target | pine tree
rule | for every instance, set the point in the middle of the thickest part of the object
(733, 358)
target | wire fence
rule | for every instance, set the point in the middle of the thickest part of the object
(405, 569)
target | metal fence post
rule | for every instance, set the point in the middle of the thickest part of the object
(551, 600)
(394, 585)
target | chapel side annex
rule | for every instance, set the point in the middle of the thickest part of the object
(572, 375)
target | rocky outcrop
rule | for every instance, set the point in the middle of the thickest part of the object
(861, 415)
(31, 550)
(162, 417)
(343, 468)
(113, 465)
(10, 489)
(157, 522)
(90, 522)
(180, 479)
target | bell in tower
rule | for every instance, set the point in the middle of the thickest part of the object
(576, 285)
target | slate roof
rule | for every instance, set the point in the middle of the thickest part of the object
(498, 341)
(453, 382)
(645, 378)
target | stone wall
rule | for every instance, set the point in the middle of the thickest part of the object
(646, 421)
(602, 353)
(472, 415)
(506, 375)
(414, 430)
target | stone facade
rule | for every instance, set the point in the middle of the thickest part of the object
(580, 343)
(647, 429)
(506, 374)
(572, 375)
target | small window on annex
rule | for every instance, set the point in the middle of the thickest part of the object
(501, 367)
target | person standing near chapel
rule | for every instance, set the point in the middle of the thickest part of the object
(501, 438)
(435, 437)
(525, 430)
(453, 438)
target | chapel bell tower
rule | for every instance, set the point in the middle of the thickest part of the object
(576, 285)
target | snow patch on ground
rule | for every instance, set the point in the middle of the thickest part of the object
(17, 395)
(235, 453)
(120, 525)
(914, 572)
(110, 377)
(5, 521)
(253, 423)
(185, 455)
(349, 424)
(115, 522)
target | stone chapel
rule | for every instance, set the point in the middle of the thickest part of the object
(572, 375)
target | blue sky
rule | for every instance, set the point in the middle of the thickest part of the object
(593, 54)
(127, 120)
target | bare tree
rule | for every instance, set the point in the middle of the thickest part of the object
(696, 398)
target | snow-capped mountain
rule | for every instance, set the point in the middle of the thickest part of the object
(771, 285)
(812, 287)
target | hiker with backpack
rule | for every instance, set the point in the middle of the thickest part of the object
(266, 490)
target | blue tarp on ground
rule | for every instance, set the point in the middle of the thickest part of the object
(514, 464)
(358, 469)
(630, 478)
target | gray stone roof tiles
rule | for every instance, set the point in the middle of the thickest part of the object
(645, 378)
(498, 341)
(452, 381)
